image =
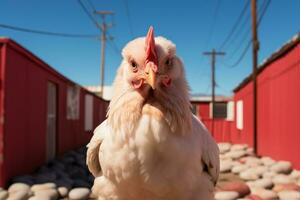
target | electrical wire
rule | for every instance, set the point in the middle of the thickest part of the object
(236, 24)
(49, 33)
(110, 41)
(91, 17)
(244, 37)
(128, 17)
(212, 27)
(91, 4)
(264, 9)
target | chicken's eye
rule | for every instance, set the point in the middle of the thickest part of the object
(133, 65)
(168, 62)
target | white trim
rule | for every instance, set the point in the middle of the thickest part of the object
(88, 112)
(230, 111)
(239, 115)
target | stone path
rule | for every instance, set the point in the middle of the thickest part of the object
(63, 178)
(245, 176)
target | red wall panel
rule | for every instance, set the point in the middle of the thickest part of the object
(203, 110)
(25, 125)
(222, 129)
(279, 121)
(278, 109)
(24, 138)
(2, 76)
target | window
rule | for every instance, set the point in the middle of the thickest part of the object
(230, 111)
(220, 110)
(239, 115)
(73, 93)
(88, 112)
(194, 109)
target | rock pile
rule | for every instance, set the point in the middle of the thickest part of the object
(245, 176)
(62, 178)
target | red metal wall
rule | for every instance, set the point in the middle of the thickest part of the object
(245, 135)
(26, 79)
(278, 109)
(2, 63)
(203, 110)
(222, 127)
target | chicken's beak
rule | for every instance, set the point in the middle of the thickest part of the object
(150, 76)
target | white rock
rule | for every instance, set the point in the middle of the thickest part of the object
(18, 195)
(224, 157)
(79, 193)
(260, 170)
(236, 154)
(265, 183)
(250, 151)
(3, 194)
(282, 179)
(251, 184)
(295, 174)
(289, 195)
(298, 182)
(239, 168)
(269, 174)
(238, 147)
(50, 194)
(18, 187)
(40, 197)
(225, 166)
(264, 194)
(224, 147)
(251, 161)
(63, 191)
(249, 175)
(43, 186)
(284, 167)
(226, 195)
(267, 161)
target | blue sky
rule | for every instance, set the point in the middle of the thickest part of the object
(193, 25)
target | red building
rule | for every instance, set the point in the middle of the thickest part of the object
(42, 113)
(278, 113)
(223, 115)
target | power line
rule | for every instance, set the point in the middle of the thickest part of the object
(91, 4)
(243, 28)
(241, 15)
(213, 55)
(212, 27)
(91, 17)
(128, 17)
(114, 47)
(49, 33)
(244, 36)
(264, 9)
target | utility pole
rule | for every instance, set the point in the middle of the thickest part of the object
(255, 48)
(213, 55)
(104, 26)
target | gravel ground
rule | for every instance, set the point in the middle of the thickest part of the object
(62, 178)
(244, 176)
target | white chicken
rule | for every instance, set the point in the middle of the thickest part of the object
(151, 147)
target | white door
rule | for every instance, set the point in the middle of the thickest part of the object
(51, 121)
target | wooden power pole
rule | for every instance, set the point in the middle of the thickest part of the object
(104, 26)
(213, 55)
(255, 48)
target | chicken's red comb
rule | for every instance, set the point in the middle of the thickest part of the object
(150, 49)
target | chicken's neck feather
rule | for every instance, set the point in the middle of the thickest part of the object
(126, 106)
